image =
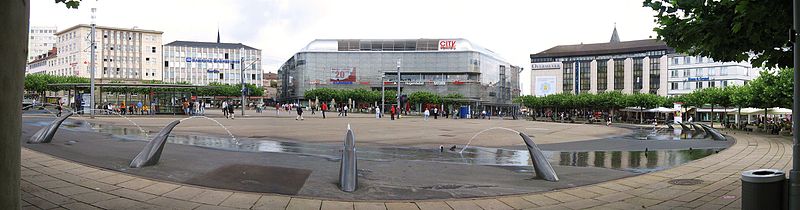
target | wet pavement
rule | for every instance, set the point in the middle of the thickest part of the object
(386, 172)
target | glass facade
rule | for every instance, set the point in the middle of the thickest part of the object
(584, 69)
(204, 63)
(351, 64)
(602, 75)
(655, 75)
(569, 77)
(619, 74)
(638, 68)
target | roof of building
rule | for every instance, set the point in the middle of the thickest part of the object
(603, 48)
(614, 46)
(52, 53)
(333, 45)
(108, 28)
(210, 45)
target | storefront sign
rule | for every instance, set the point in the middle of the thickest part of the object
(212, 71)
(415, 83)
(697, 79)
(343, 75)
(201, 60)
(439, 83)
(548, 65)
(458, 82)
(447, 44)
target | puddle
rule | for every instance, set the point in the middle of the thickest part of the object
(631, 161)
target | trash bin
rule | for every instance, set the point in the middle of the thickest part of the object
(764, 189)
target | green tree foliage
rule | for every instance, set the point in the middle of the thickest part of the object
(727, 30)
(71, 4)
(423, 97)
(40, 83)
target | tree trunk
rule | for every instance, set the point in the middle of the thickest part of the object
(14, 19)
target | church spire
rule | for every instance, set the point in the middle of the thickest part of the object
(614, 35)
(217, 34)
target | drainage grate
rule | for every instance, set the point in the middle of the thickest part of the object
(685, 181)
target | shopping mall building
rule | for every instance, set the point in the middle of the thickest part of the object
(441, 66)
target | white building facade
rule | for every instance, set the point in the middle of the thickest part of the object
(41, 40)
(690, 73)
(42, 63)
(638, 66)
(122, 54)
(202, 63)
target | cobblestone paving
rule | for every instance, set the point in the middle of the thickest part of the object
(52, 183)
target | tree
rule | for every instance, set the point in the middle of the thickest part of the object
(424, 97)
(727, 30)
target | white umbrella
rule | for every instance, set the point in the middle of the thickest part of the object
(661, 110)
(778, 110)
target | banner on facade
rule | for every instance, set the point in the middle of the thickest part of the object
(545, 85)
(343, 75)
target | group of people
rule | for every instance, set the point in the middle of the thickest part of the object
(435, 112)
(228, 109)
(194, 108)
(129, 109)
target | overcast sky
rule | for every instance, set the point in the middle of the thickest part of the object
(514, 29)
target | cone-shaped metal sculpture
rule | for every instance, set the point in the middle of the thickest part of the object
(684, 126)
(45, 135)
(541, 166)
(348, 171)
(697, 127)
(152, 151)
(714, 133)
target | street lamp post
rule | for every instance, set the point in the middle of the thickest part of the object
(399, 106)
(244, 91)
(794, 174)
(383, 93)
(91, 67)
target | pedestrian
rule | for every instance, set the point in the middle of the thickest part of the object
(202, 108)
(122, 108)
(340, 109)
(377, 112)
(393, 111)
(483, 114)
(345, 110)
(324, 108)
(277, 109)
(435, 113)
(426, 114)
(313, 108)
(299, 113)
(139, 106)
(225, 108)
(196, 105)
(186, 107)
(60, 109)
(146, 109)
(230, 110)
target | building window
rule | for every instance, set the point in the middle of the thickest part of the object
(687, 60)
(619, 74)
(724, 83)
(252, 76)
(568, 73)
(221, 76)
(226, 55)
(584, 69)
(638, 67)
(154, 50)
(673, 73)
(655, 75)
(712, 84)
(698, 85)
(602, 75)
(673, 85)
(166, 63)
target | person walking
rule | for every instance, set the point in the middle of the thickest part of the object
(393, 111)
(426, 114)
(60, 109)
(202, 108)
(435, 113)
(196, 105)
(345, 110)
(324, 108)
(122, 108)
(230, 110)
(377, 112)
(139, 106)
(225, 108)
(299, 113)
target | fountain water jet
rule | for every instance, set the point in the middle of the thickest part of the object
(348, 170)
(480, 132)
(541, 166)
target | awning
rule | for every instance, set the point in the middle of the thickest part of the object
(661, 110)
